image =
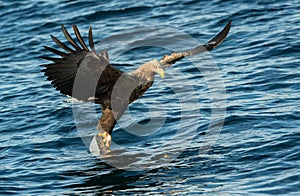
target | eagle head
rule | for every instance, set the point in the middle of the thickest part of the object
(148, 70)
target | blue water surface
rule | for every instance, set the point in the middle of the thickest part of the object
(257, 151)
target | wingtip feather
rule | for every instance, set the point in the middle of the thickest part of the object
(69, 38)
(79, 37)
(91, 39)
(219, 38)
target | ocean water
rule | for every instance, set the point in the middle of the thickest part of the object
(224, 122)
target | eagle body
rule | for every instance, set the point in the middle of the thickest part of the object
(125, 89)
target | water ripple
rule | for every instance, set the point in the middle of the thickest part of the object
(257, 151)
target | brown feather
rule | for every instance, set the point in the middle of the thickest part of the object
(79, 38)
(69, 38)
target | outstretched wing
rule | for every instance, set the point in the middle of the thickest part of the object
(79, 68)
(167, 60)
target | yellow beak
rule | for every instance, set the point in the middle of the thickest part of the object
(161, 72)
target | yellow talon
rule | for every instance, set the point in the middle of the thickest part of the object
(106, 138)
(101, 134)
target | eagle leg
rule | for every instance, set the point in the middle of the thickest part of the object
(105, 126)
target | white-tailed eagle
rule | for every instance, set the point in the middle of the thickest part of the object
(82, 73)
